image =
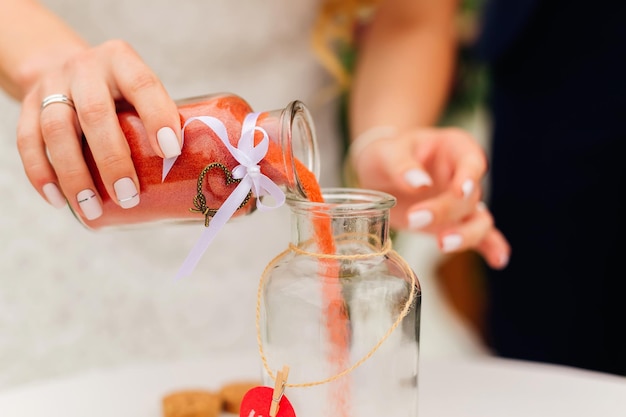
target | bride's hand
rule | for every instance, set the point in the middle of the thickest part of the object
(77, 100)
(436, 175)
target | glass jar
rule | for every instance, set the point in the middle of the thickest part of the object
(341, 309)
(192, 186)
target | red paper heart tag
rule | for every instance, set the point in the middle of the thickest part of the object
(257, 403)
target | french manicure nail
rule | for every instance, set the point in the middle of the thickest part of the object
(53, 195)
(168, 142)
(467, 187)
(126, 192)
(450, 243)
(417, 178)
(420, 218)
(89, 204)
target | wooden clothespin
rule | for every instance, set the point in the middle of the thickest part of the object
(279, 390)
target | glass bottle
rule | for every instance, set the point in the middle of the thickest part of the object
(190, 190)
(342, 311)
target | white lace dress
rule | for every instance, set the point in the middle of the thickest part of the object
(71, 299)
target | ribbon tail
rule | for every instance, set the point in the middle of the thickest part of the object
(269, 187)
(168, 163)
(225, 212)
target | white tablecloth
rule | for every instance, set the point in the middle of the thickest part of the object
(451, 388)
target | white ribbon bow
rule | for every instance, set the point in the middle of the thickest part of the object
(248, 171)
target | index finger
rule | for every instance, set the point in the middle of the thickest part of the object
(141, 87)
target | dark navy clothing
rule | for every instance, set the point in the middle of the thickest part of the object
(557, 190)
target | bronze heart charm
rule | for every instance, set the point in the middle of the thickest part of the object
(199, 201)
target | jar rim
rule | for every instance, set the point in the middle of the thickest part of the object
(346, 200)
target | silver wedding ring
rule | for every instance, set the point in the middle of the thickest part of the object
(57, 98)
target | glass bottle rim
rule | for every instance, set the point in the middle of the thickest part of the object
(299, 137)
(346, 200)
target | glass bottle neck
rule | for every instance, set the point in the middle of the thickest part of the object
(293, 129)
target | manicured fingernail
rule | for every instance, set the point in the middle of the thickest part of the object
(126, 192)
(504, 260)
(467, 187)
(53, 195)
(417, 178)
(89, 204)
(420, 218)
(451, 242)
(168, 142)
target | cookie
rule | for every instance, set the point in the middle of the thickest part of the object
(233, 393)
(192, 403)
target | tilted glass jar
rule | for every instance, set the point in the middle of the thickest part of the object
(341, 309)
(190, 189)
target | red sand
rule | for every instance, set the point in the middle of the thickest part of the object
(337, 325)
